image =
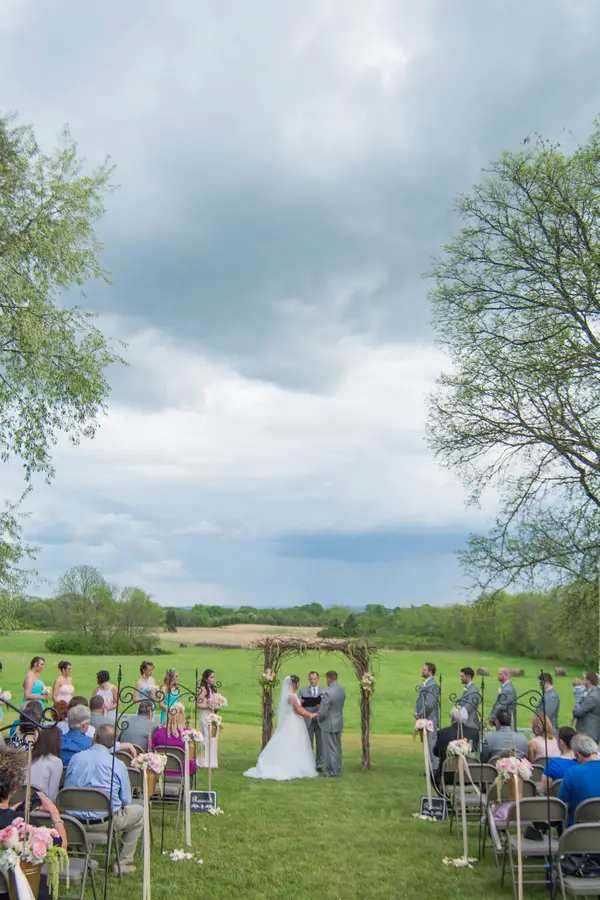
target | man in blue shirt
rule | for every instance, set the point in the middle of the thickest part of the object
(581, 782)
(93, 768)
(76, 738)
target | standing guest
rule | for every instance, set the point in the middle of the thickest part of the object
(97, 768)
(470, 698)
(506, 699)
(76, 701)
(557, 766)
(108, 692)
(13, 766)
(62, 689)
(97, 710)
(578, 693)
(33, 686)
(543, 742)
(427, 704)
(550, 701)
(138, 728)
(26, 732)
(313, 692)
(76, 738)
(587, 710)
(47, 767)
(581, 782)
(206, 705)
(169, 735)
(145, 687)
(170, 691)
(503, 738)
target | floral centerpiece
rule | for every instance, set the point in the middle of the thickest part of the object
(460, 747)
(513, 771)
(154, 764)
(367, 683)
(268, 679)
(30, 848)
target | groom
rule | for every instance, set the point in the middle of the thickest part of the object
(332, 724)
(314, 692)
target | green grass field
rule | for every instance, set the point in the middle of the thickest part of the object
(349, 838)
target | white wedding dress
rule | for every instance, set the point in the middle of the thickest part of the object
(288, 754)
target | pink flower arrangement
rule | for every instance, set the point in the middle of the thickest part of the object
(268, 679)
(192, 736)
(510, 766)
(423, 725)
(154, 762)
(21, 842)
(460, 747)
(218, 701)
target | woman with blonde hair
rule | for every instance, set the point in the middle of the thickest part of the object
(169, 735)
(543, 743)
(170, 693)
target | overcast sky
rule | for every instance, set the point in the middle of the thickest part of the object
(286, 171)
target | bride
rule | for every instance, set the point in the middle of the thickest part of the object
(288, 754)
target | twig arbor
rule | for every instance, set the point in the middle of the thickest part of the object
(360, 655)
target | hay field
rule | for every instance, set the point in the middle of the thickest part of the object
(234, 635)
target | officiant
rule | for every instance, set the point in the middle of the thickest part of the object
(309, 698)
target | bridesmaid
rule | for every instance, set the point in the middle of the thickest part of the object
(62, 689)
(108, 692)
(170, 691)
(33, 686)
(145, 687)
(205, 704)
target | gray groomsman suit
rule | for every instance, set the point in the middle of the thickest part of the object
(312, 725)
(587, 713)
(470, 700)
(506, 699)
(551, 703)
(332, 724)
(427, 707)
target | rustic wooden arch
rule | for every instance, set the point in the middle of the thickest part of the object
(360, 654)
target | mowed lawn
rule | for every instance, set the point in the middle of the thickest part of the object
(349, 838)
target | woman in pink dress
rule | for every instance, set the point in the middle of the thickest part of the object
(543, 743)
(169, 735)
(62, 689)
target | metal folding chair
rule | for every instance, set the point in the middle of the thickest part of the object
(533, 811)
(584, 838)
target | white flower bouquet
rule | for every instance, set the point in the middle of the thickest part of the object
(218, 701)
(268, 679)
(423, 725)
(511, 766)
(460, 747)
(367, 683)
(192, 736)
(152, 762)
(32, 846)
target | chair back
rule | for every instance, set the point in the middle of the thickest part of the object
(175, 767)
(555, 787)
(539, 809)
(529, 790)
(83, 799)
(588, 811)
(538, 772)
(135, 779)
(541, 761)
(482, 774)
(584, 838)
(124, 756)
(171, 751)
(76, 836)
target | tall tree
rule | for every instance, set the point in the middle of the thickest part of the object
(53, 359)
(516, 306)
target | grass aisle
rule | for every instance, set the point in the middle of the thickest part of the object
(347, 838)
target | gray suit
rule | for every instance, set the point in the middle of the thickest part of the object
(137, 731)
(587, 713)
(503, 739)
(332, 724)
(427, 707)
(550, 703)
(470, 700)
(506, 699)
(312, 725)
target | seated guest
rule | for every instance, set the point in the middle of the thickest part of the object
(13, 766)
(77, 737)
(46, 765)
(543, 742)
(93, 768)
(503, 738)
(136, 728)
(61, 707)
(97, 711)
(25, 731)
(556, 767)
(169, 735)
(581, 782)
(76, 701)
(458, 717)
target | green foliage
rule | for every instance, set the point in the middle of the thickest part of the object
(171, 620)
(119, 643)
(516, 307)
(52, 358)
(9, 608)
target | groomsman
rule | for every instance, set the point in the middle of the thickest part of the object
(506, 699)
(314, 690)
(470, 698)
(427, 704)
